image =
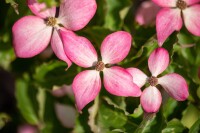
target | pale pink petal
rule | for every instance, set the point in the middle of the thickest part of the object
(165, 3)
(86, 87)
(40, 9)
(191, 2)
(158, 61)
(58, 48)
(66, 115)
(191, 17)
(116, 47)
(79, 49)
(30, 36)
(139, 78)
(151, 99)
(146, 14)
(167, 21)
(75, 14)
(175, 85)
(119, 82)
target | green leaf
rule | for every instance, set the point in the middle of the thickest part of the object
(152, 123)
(113, 20)
(53, 73)
(4, 119)
(6, 57)
(14, 5)
(174, 126)
(24, 103)
(195, 127)
(110, 118)
(169, 107)
(50, 3)
(121, 105)
(191, 115)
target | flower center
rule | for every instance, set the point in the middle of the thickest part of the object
(153, 81)
(181, 4)
(51, 21)
(100, 66)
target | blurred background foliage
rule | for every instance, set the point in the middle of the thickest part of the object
(35, 93)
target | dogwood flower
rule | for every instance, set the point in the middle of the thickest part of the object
(32, 34)
(87, 84)
(171, 17)
(174, 84)
(146, 14)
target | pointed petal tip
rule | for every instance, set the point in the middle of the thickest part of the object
(118, 81)
(139, 78)
(151, 99)
(76, 14)
(158, 61)
(29, 41)
(78, 49)
(168, 20)
(175, 85)
(86, 86)
(115, 47)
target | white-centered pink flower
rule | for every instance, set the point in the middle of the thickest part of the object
(146, 14)
(174, 84)
(87, 84)
(171, 17)
(32, 34)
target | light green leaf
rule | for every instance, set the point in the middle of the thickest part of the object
(174, 126)
(195, 127)
(24, 103)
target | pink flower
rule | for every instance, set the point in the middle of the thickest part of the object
(32, 34)
(146, 14)
(169, 19)
(174, 84)
(87, 84)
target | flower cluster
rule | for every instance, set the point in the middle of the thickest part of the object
(32, 34)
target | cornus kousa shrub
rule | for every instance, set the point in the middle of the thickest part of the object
(172, 16)
(174, 84)
(32, 34)
(87, 84)
(94, 39)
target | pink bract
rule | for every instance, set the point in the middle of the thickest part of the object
(32, 34)
(174, 84)
(87, 84)
(146, 13)
(172, 16)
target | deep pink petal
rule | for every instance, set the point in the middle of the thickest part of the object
(146, 14)
(165, 3)
(167, 21)
(58, 48)
(79, 49)
(139, 78)
(191, 17)
(116, 47)
(191, 2)
(40, 9)
(75, 14)
(175, 85)
(151, 99)
(119, 82)
(86, 87)
(30, 36)
(158, 61)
